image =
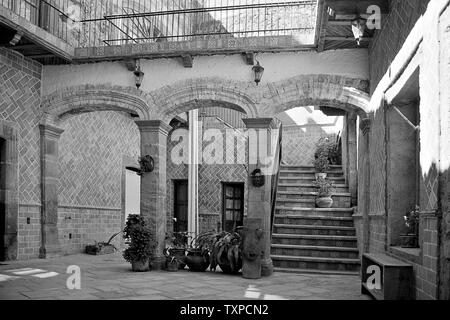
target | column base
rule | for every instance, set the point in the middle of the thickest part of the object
(158, 263)
(50, 251)
(266, 267)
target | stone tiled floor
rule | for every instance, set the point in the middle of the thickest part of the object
(110, 277)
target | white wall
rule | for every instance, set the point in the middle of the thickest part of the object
(161, 72)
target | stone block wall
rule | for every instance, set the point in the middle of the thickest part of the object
(20, 88)
(372, 208)
(389, 40)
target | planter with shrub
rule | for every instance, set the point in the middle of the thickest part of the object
(324, 192)
(138, 236)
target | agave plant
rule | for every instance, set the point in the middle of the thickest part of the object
(226, 251)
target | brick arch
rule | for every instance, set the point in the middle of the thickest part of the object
(193, 94)
(81, 99)
(349, 94)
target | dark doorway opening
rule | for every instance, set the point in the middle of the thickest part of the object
(233, 206)
(181, 206)
(2, 200)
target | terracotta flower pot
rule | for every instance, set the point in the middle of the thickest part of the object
(172, 265)
(324, 202)
(140, 265)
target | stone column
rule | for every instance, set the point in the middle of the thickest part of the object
(50, 135)
(193, 223)
(364, 125)
(258, 198)
(153, 184)
(352, 160)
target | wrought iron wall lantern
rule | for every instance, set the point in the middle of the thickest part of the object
(257, 178)
(258, 71)
(138, 74)
(358, 28)
(147, 164)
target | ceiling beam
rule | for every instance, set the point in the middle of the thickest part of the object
(188, 60)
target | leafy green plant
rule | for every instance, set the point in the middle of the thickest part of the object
(137, 234)
(322, 164)
(412, 220)
(324, 187)
(226, 251)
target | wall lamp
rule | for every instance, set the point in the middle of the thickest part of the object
(138, 74)
(258, 71)
(358, 28)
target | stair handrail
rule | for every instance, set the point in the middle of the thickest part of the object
(276, 175)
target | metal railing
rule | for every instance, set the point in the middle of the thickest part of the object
(276, 174)
(126, 21)
(116, 22)
(50, 15)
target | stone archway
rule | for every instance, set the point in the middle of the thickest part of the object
(348, 94)
(9, 205)
(81, 99)
(183, 96)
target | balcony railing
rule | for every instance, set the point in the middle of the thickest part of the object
(50, 15)
(116, 22)
(123, 22)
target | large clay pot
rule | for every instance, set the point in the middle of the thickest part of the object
(324, 202)
(197, 261)
(180, 254)
(140, 265)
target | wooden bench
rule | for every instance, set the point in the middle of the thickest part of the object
(395, 276)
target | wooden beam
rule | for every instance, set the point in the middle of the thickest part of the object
(345, 39)
(324, 16)
(250, 58)
(188, 60)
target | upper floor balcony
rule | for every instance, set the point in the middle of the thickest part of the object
(57, 31)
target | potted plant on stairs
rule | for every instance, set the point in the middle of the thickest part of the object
(138, 236)
(321, 158)
(324, 191)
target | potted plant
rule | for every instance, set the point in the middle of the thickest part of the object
(101, 248)
(138, 236)
(324, 191)
(322, 165)
(226, 252)
(411, 238)
(321, 158)
(197, 256)
(176, 244)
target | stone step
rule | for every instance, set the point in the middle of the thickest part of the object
(306, 203)
(308, 187)
(308, 168)
(314, 251)
(315, 240)
(314, 212)
(314, 230)
(309, 179)
(300, 262)
(316, 271)
(307, 194)
(308, 174)
(317, 220)
(309, 201)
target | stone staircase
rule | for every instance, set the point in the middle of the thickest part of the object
(308, 239)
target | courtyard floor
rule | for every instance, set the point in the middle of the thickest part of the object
(110, 277)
